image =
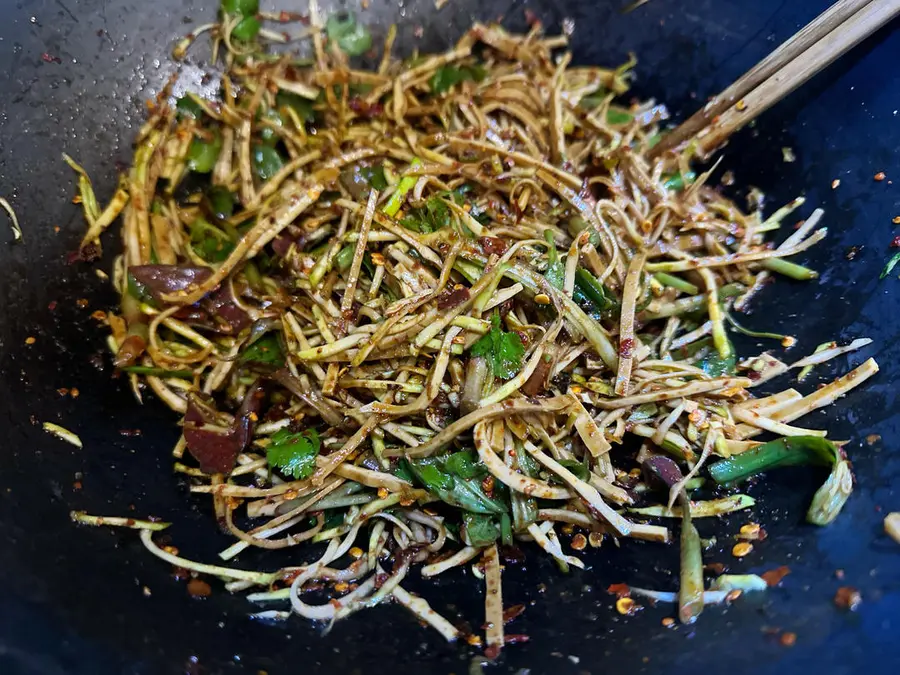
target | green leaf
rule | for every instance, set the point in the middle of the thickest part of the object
(374, 176)
(579, 469)
(247, 29)
(209, 242)
(502, 350)
(464, 493)
(714, 365)
(677, 181)
(268, 135)
(302, 106)
(447, 77)
(429, 218)
(221, 201)
(465, 464)
(618, 116)
(403, 471)
(265, 351)
(242, 7)
(594, 99)
(294, 454)
(593, 296)
(188, 107)
(890, 265)
(480, 530)
(266, 161)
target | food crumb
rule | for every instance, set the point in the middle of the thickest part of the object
(579, 542)
(147, 592)
(847, 598)
(82, 302)
(839, 574)
(835, 183)
(788, 639)
(595, 539)
(668, 622)
(30, 340)
(879, 176)
(741, 549)
(872, 439)
(627, 607)
(787, 154)
(896, 220)
(197, 588)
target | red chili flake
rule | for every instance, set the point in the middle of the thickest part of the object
(452, 297)
(511, 613)
(359, 105)
(619, 590)
(848, 598)
(879, 176)
(197, 588)
(774, 577)
(52, 305)
(788, 639)
(895, 242)
(492, 245)
(46, 57)
(626, 347)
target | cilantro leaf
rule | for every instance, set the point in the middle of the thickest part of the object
(294, 454)
(480, 530)
(429, 218)
(374, 176)
(266, 351)
(502, 350)
(617, 116)
(464, 493)
(447, 77)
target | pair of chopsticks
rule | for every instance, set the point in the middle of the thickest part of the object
(830, 35)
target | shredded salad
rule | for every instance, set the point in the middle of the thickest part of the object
(424, 311)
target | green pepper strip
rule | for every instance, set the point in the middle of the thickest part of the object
(676, 282)
(789, 269)
(406, 184)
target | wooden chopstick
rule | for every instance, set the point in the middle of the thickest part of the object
(815, 46)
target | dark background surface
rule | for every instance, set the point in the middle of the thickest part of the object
(73, 600)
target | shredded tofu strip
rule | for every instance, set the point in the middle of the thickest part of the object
(493, 601)
(626, 329)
